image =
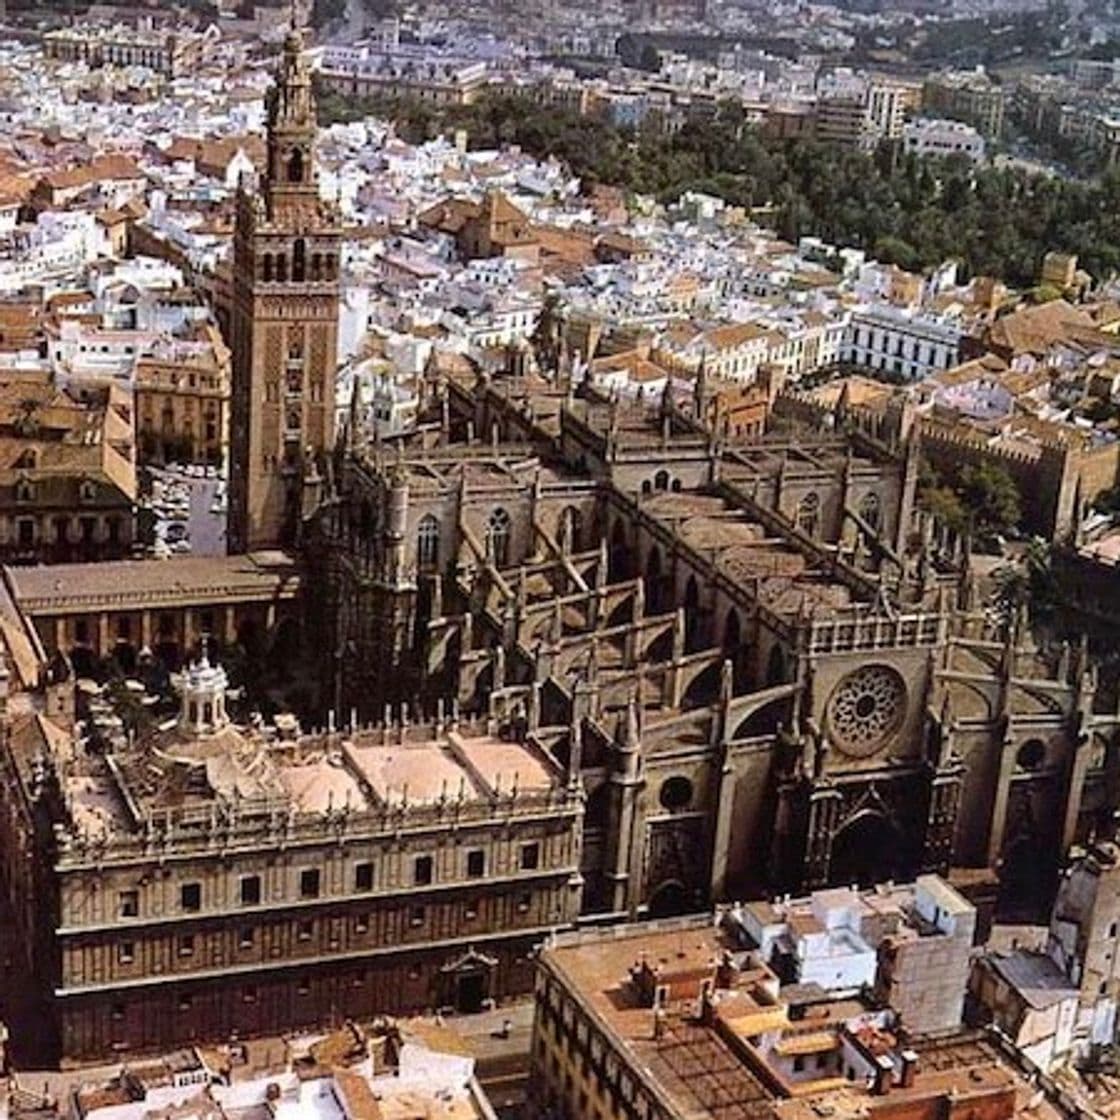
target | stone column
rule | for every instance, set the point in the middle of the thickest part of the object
(998, 822)
(1076, 786)
(721, 836)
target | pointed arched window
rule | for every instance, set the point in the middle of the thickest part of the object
(498, 528)
(427, 543)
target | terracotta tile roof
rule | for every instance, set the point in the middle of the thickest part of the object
(1033, 330)
(106, 168)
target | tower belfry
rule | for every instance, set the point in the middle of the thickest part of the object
(284, 320)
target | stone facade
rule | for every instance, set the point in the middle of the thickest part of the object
(283, 324)
(209, 880)
(776, 670)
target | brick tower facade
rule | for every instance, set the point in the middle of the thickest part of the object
(284, 323)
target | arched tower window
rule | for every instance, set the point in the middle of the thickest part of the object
(317, 266)
(661, 480)
(498, 528)
(809, 514)
(266, 267)
(281, 267)
(427, 543)
(299, 260)
(295, 166)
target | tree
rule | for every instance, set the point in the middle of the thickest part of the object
(990, 495)
(946, 506)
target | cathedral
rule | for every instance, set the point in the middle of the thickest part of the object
(770, 667)
(577, 659)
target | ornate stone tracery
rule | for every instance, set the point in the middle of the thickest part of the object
(866, 710)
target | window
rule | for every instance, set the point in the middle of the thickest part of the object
(476, 863)
(422, 871)
(309, 883)
(363, 877)
(305, 930)
(26, 530)
(249, 995)
(470, 910)
(871, 510)
(416, 916)
(498, 531)
(245, 938)
(190, 897)
(530, 856)
(186, 945)
(126, 952)
(809, 514)
(524, 902)
(128, 904)
(250, 890)
(676, 793)
(427, 543)
(361, 923)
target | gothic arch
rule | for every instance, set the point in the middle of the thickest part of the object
(809, 514)
(670, 899)
(570, 529)
(692, 620)
(871, 510)
(653, 579)
(299, 260)
(765, 719)
(866, 849)
(619, 552)
(776, 670)
(295, 166)
(499, 529)
(732, 632)
(427, 543)
(703, 689)
(597, 811)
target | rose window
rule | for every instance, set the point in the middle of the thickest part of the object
(866, 709)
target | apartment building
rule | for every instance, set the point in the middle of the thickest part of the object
(970, 96)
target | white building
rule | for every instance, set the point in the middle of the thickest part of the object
(943, 138)
(908, 344)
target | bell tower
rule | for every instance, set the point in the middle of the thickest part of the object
(283, 322)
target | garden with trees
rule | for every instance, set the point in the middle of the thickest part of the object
(911, 211)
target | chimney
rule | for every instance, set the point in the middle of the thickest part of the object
(725, 971)
(884, 1067)
(909, 1068)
